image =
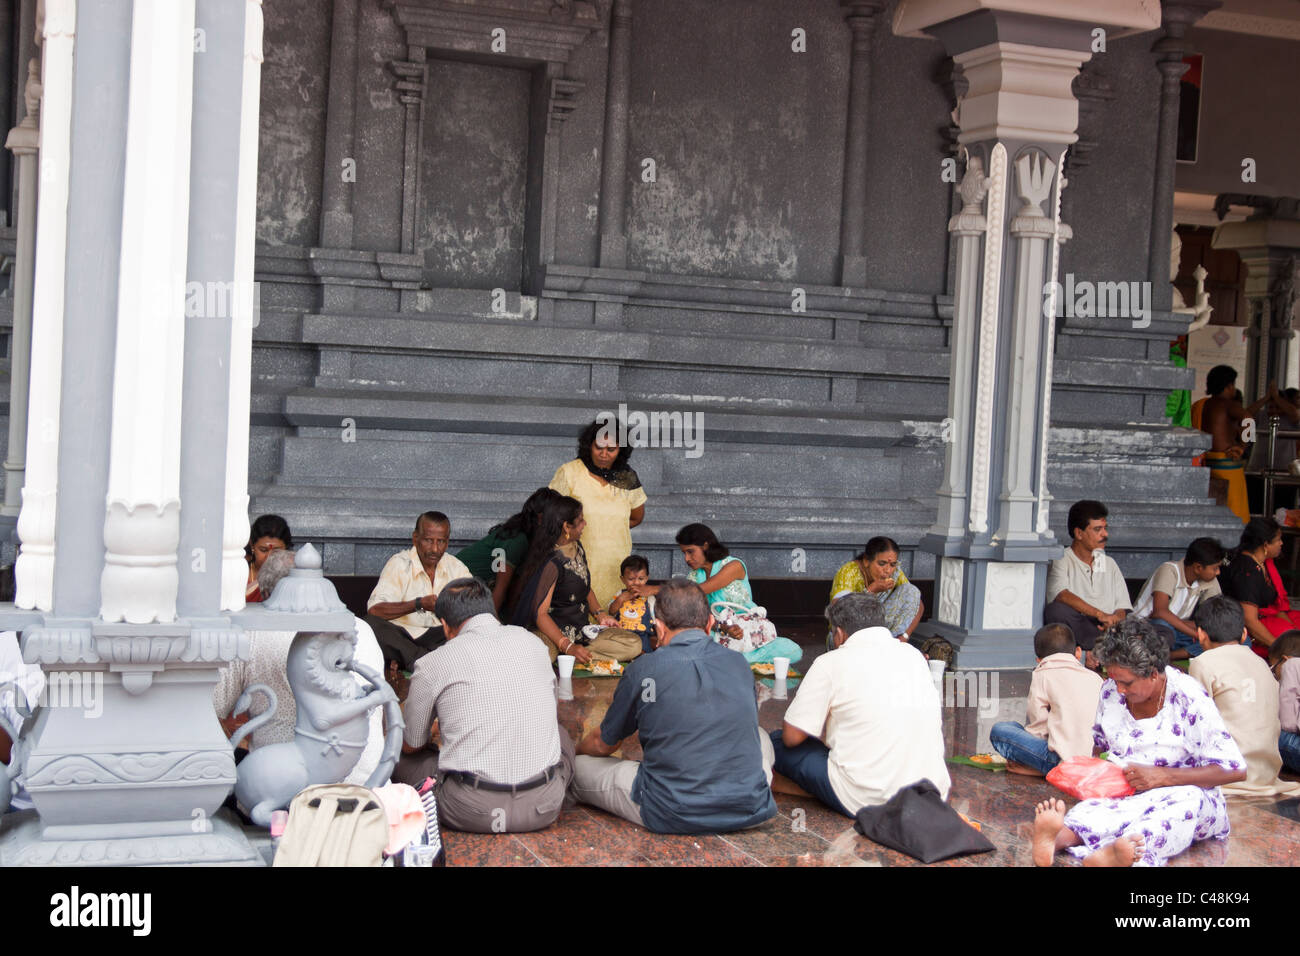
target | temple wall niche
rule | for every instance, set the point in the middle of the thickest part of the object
(747, 137)
(472, 175)
(295, 77)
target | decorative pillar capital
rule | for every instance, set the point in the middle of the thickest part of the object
(1035, 173)
(973, 188)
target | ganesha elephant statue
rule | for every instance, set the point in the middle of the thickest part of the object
(333, 720)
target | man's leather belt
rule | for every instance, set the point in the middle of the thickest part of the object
(482, 783)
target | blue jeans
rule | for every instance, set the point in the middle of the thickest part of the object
(1288, 746)
(806, 766)
(1176, 639)
(1019, 745)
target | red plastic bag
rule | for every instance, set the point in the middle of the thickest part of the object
(1090, 778)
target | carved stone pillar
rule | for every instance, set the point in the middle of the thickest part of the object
(133, 769)
(967, 228)
(1016, 118)
(142, 526)
(24, 141)
(861, 17)
(1170, 50)
(613, 168)
(234, 569)
(34, 568)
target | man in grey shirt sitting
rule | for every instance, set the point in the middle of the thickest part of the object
(505, 762)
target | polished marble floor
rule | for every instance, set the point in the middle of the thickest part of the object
(1265, 832)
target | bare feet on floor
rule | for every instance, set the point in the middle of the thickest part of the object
(1123, 852)
(1013, 767)
(1049, 817)
(783, 784)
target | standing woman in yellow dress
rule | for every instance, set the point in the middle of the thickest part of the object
(613, 503)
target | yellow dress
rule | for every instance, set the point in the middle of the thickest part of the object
(607, 539)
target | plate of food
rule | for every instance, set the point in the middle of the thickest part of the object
(599, 667)
(993, 762)
(768, 669)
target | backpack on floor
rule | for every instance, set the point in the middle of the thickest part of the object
(938, 649)
(334, 824)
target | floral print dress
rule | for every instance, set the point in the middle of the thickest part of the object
(1186, 732)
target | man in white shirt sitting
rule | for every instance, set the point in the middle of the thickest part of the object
(1085, 588)
(866, 720)
(400, 609)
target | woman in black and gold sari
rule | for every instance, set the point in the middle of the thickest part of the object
(554, 598)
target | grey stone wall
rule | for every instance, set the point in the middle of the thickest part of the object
(821, 425)
(1246, 78)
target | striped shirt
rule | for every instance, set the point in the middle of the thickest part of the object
(493, 692)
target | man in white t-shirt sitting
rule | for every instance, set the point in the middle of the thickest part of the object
(1174, 592)
(1085, 587)
(866, 720)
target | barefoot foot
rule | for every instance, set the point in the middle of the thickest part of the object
(1022, 769)
(1123, 852)
(1049, 817)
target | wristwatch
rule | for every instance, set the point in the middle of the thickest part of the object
(419, 604)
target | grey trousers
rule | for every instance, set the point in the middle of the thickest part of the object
(606, 782)
(463, 807)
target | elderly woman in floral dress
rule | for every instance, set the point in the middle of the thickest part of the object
(1161, 726)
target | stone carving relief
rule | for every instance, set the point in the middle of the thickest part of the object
(1285, 296)
(45, 771)
(950, 588)
(1008, 596)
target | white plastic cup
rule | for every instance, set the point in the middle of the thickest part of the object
(782, 665)
(566, 664)
(564, 688)
(936, 674)
(779, 690)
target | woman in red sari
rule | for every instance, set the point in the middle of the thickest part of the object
(1251, 578)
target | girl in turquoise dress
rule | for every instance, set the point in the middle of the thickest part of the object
(726, 584)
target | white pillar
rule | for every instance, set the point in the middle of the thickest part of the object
(234, 569)
(142, 525)
(24, 140)
(34, 569)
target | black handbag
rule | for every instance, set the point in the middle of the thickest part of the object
(917, 821)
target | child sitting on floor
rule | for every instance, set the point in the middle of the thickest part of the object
(1284, 657)
(635, 614)
(1063, 696)
(1244, 692)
